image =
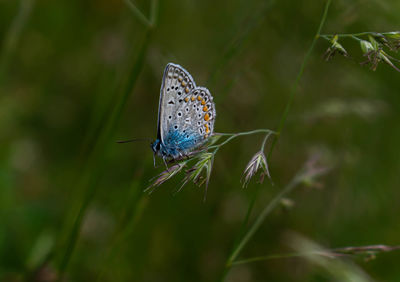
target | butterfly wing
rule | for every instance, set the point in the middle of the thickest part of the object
(186, 112)
(176, 82)
(198, 113)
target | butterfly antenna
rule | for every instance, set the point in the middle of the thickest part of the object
(134, 140)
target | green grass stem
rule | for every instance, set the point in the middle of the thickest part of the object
(272, 204)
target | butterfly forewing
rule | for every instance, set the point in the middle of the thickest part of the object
(175, 84)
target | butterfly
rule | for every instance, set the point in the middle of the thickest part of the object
(186, 115)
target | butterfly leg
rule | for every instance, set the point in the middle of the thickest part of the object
(165, 162)
(154, 159)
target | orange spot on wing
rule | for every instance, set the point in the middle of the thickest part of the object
(199, 98)
(205, 109)
(203, 102)
(206, 117)
(193, 98)
(183, 83)
(186, 99)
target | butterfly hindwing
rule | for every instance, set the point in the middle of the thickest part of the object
(198, 112)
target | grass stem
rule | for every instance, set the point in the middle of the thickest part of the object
(271, 205)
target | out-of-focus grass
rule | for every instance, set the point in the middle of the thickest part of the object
(11, 38)
(96, 162)
(297, 179)
(73, 62)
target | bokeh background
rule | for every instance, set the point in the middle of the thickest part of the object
(76, 76)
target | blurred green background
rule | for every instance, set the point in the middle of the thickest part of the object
(67, 65)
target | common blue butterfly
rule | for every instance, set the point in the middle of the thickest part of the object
(186, 114)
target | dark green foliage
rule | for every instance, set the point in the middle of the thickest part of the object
(77, 76)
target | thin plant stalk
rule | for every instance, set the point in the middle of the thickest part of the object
(13, 35)
(366, 251)
(260, 219)
(352, 35)
(271, 205)
(234, 135)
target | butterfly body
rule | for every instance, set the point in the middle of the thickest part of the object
(186, 114)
